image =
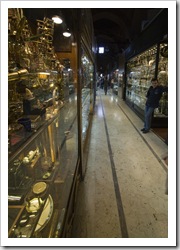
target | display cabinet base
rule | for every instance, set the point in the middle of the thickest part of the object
(157, 122)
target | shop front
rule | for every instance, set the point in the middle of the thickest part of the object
(147, 58)
(50, 103)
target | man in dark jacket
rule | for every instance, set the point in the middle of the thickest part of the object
(153, 97)
(105, 85)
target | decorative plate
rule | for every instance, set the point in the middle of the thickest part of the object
(39, 187)
(46, 214)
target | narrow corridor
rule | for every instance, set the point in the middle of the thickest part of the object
(123, 193)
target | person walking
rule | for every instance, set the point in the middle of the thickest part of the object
(105, 85)
(153, 97)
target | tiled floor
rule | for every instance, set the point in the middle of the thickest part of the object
(123, 193)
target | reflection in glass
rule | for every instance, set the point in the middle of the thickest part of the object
(87, 86)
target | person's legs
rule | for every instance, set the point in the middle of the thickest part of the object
(145, 115)
(148, 117)
(105, 90)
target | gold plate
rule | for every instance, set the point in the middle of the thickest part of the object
(39, 187)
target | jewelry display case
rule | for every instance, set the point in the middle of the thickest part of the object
(87, 92)
(140, 70)
(40, 175)
(42, 132)
(49, 107)
(162, 75)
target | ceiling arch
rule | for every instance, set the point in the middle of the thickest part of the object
(113, 20)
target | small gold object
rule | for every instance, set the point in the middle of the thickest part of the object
(39, 187)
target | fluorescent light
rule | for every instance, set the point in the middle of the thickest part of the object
(66, 34)
(57, 19)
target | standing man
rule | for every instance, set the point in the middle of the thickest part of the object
(153, 97)
(105, 84)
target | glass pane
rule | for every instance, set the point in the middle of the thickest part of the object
(140, 71)
(162, 111)
(87, 91)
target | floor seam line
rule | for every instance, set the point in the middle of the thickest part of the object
(147, 144)
(121, 214)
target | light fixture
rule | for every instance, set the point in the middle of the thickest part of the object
(66, 33)
(101, 50)
(57, 19)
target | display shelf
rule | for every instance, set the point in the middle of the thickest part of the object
(30, 220)
(55, 140)
(140, 70)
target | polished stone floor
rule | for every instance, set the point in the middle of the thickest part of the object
(123, 192)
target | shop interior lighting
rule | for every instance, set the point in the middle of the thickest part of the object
(67, 33)
(57, 19)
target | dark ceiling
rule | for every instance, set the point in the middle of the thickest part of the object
(120, 26)
(115, 29)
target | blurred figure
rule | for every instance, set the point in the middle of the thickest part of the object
(105, 85)
(112, 83)
(102, 83)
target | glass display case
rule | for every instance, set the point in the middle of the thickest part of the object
(42, 132)
(87, 92)
(43, 151)
(140, 70)
(121, 84)
(120, 79)
(117, 82)
(45, 116)
(40, 176)
(162, 75)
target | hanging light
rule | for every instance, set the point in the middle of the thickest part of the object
(67, 33)
(57, 19)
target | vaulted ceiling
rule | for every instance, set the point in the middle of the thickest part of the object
(116, 28)
(120, 26)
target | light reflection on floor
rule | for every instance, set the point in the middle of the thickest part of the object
(99, 111)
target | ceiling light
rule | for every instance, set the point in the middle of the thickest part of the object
(101, 50)
(67, 33)
(57, 19)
